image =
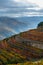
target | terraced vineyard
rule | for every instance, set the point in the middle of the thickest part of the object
(13, 52)
(18, 53)
(40, 62)
(10, 57)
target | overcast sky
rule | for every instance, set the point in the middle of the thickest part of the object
(18, 8)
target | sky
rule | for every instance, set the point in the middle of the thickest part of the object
(20, 8)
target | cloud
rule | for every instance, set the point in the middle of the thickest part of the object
(38, 2)
(2, 37)
(16, 8)
(15, 3)
(4, 26)
(10, 29)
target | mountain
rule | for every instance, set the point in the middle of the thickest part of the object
(10, 26)
(32, 21)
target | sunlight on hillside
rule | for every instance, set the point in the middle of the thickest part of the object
(30, 63)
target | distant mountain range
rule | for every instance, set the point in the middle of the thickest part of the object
(11, 26)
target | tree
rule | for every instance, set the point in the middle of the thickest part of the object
(40, 24)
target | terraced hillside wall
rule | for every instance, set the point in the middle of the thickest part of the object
(36, 44)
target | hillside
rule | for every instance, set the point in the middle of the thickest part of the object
(35, 34)
(23, 48)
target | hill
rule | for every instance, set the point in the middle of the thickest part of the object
(22, 48)
(35, 34)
